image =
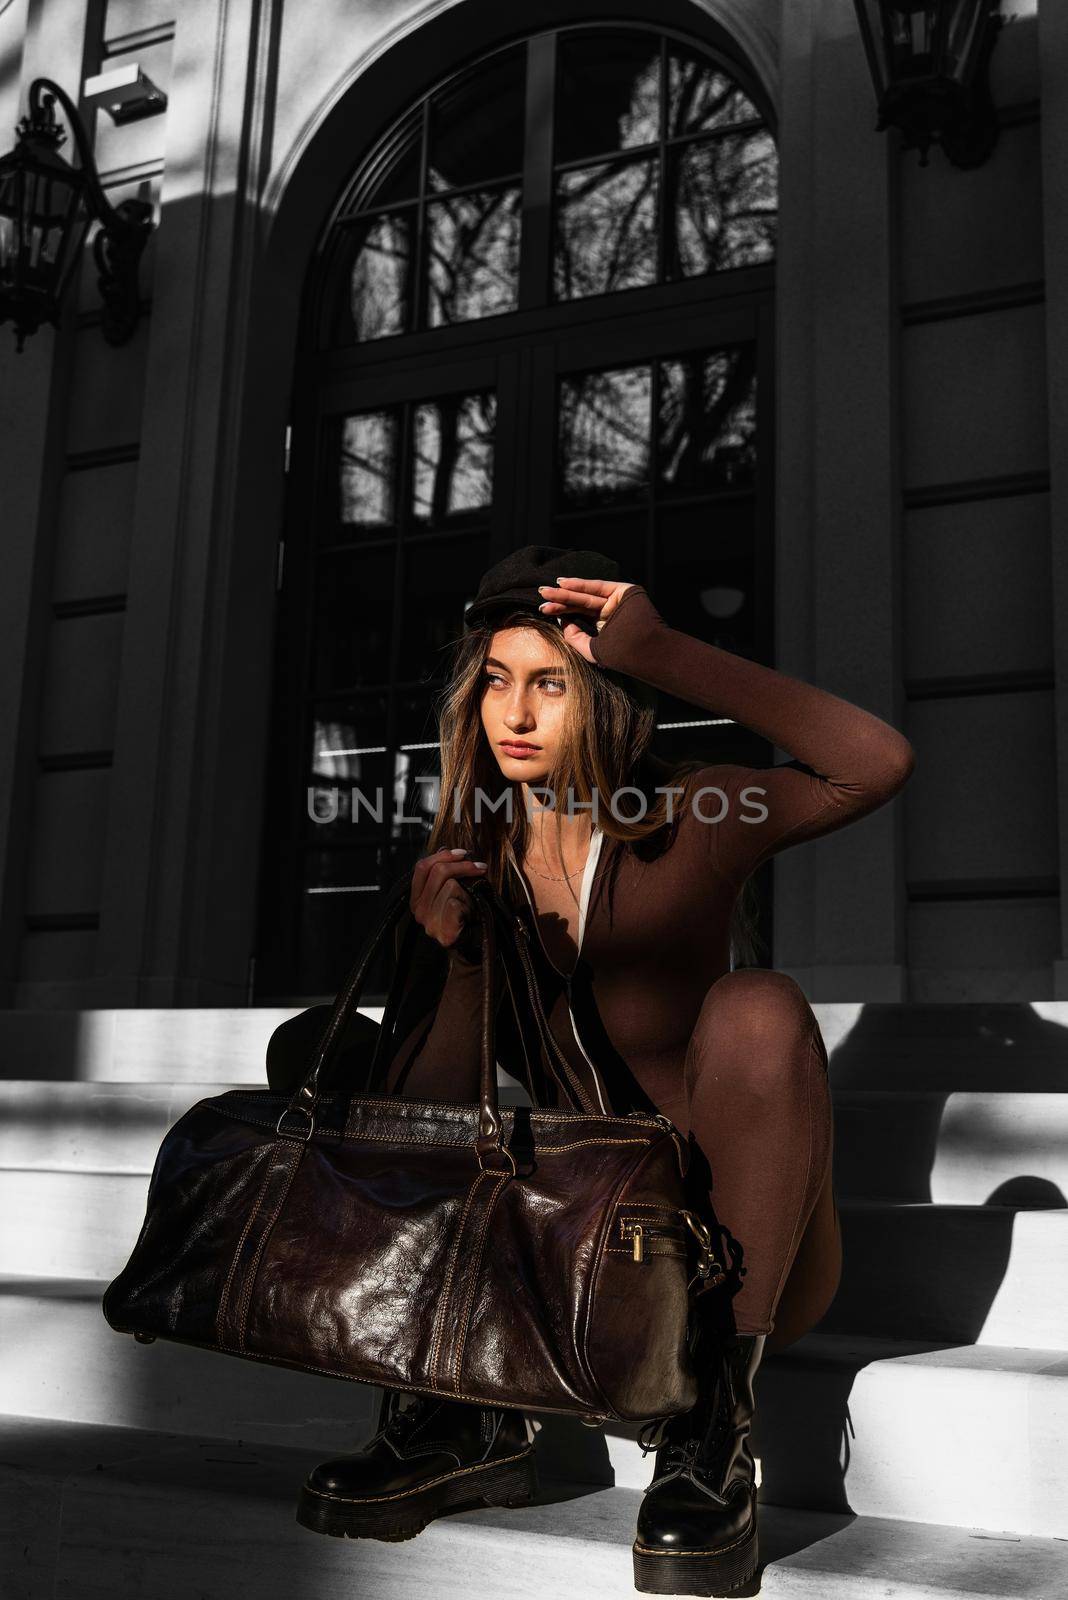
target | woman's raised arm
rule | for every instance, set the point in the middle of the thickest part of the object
(847, 761)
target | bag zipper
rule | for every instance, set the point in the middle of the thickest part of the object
(637, 1232)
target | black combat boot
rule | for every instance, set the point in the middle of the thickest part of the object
(428, 1456)
(697, 1525)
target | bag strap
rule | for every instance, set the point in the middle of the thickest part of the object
(499, 920)
(489, 1129)
(512, 941)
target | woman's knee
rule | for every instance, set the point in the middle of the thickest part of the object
(754, 1021)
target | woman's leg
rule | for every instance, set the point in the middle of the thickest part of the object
(757, 1100)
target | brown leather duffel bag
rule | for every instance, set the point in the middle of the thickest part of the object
(535, 1258)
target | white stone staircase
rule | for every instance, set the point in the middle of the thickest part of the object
(913, 1445)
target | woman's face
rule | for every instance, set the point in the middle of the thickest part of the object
(524, 690)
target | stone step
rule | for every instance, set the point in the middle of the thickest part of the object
(960, 1148)
(936, 1433)
(957, 1274)
(953, 1274)
(63, 1361)
(99, 1512)
(210, 1044)
(967, 1435)
(105, 1127)
(965, 1149)
(975, 1046)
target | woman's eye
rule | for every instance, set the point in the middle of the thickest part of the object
(550, 683)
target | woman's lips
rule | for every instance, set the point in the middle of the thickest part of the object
(519, 750)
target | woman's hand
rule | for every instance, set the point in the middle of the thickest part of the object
(439, 903)
(597, 598)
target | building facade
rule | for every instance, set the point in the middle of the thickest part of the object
(433, 281)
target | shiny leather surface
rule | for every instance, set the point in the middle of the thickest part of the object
(420, 1441)
(464, 1251)
(703, 1494)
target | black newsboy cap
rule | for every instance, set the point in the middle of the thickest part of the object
(513, 583)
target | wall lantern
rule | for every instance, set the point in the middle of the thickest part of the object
(930, 65)
(46, 208)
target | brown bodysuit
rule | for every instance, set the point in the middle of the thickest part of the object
(735, 1057)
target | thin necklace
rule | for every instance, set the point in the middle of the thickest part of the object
(564, 879)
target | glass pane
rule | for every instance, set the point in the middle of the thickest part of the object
(368, 292)
(418, 769)
(702, 97)
(439, 580)
(607, 93)
(476, 125)
(350, 772)
(353, 619)
(707, 420)
(705, 564)
(453, 477)
(473, 256)
(367, 471)
(724, 196)
(605, 229)
(339, 904)
(605, 420)
(621, 535)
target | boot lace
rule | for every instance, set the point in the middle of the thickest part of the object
(405, 1414)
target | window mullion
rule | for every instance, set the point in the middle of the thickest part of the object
(535, 252)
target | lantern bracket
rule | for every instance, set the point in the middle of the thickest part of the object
(123, 232)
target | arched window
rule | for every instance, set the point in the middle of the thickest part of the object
(540, 311)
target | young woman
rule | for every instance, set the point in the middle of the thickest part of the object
(637, 935)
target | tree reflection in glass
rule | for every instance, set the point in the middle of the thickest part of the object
(606, 229)
(378, 282)
(473, 249)
(366, 469)
(706, 420)
(723, 195)
(605, 420)
(453, 476)
(701, 97)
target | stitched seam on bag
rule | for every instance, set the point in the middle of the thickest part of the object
(264, 1236)
(437, 1144)
(454, 1255)
(426, 1105)
(403, 1494)
(393, 1382)
(598, 1264)
(647, 1249)
(224, 1298)
(461, 1325)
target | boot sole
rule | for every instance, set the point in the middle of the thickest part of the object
(393, 1517)
(696, 1572)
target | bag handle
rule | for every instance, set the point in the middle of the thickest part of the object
(512, 936)
(489, 1135)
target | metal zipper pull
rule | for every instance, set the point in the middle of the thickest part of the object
(637, 1235)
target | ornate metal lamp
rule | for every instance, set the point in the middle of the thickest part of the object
(46, 208)
(929, 60)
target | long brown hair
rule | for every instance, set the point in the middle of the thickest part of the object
(604, 749)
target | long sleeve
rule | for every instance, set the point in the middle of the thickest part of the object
(847, 761)
(438, 1025)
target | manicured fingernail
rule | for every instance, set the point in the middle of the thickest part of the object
(457, 851)
(480, 863)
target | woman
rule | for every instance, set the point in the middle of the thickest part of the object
(632, 921)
